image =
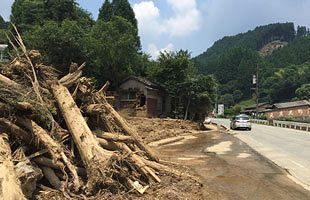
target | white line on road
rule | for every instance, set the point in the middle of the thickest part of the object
(296, 163)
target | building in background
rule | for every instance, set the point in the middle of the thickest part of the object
(142, 97)
(299, 109)
(2, 49)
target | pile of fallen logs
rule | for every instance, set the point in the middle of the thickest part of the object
(61, 134)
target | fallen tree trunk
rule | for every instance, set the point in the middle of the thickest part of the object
(51, 177)
(20, 134)
(9, 184)
(135, 160)
(105, 107)
(49, 163)
(8, 82)
(94, 157)
(72, 77)
(115, 137)
(138, 162)
(53, 148)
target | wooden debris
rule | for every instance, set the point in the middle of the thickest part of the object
(94, 157)
(10, 187)
(106, 108)
(79, 141)
(51, 177)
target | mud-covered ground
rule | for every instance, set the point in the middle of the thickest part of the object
(227, 167)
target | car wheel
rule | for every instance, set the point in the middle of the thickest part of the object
(249, 129)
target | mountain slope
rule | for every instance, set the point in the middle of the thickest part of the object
(233, 61)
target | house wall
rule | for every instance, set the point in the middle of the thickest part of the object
(302, 111)
(133, 84)
(154, 102)
(154, 98)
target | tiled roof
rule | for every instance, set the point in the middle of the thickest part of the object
(146, 82)
(292, 104)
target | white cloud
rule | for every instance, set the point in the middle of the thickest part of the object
(155, 52)
(184, 20)
(148, 15)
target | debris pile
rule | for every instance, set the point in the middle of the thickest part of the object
(60, 138)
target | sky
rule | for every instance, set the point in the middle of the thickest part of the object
(195, 25)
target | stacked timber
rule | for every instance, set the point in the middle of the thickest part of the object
(59, 135)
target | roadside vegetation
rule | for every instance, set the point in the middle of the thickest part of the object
(64, 33)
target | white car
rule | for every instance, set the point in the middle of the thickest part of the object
(241, 122)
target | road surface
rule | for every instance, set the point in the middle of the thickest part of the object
(288, 148)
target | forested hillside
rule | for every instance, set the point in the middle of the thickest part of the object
(233, 61)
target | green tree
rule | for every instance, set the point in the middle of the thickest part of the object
(106, 11)
(303, 92)
(3, 36)
(3, 23)
(58, 10)
(60, 44)
(301, 31)
(27, 13)
(120, 8)
(237, 94)
(123, 9)
(227, 100)
(192, 94)
(112, 50)
(198, 94)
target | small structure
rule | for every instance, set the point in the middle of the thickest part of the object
(294, 109)
(2, 48)
(262, 107)
(143, 96)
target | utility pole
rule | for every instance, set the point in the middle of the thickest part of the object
(255, 83)
(257, 94)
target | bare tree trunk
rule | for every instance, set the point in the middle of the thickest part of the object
(123, 124)
(9, 184)
(7, 81)
(53, 148)
(187, 107)
(94, 157)
(115, 137)
(15, 131)
(51, 177)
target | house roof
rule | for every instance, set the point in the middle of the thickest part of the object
(146, 82)
(292, 104)
(260, 105)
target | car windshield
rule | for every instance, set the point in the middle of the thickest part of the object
(242, 118)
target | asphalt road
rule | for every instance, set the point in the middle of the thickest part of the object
(288, 148)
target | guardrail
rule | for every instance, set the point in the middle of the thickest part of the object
(283, 124)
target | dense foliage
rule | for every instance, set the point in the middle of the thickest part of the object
(3, 23)
(3, 26)
(233, 61)
(65, 33)
(120, 8)
(192, 94)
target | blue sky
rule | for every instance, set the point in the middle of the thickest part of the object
(196, 24)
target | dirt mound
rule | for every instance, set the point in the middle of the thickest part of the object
(153, 129)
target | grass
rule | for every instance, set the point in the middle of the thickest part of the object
(246, 103)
